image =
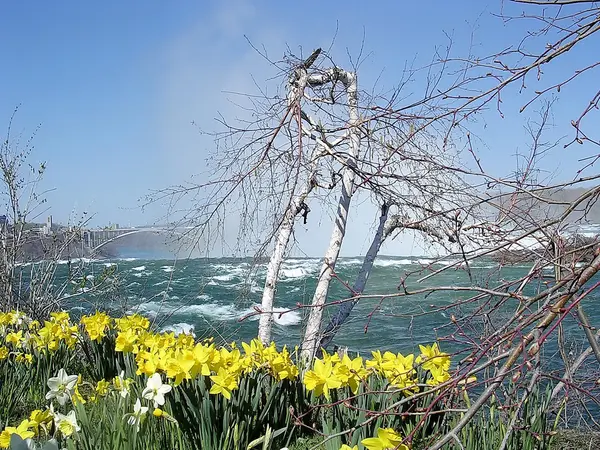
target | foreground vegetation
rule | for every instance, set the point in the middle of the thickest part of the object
(105, 383)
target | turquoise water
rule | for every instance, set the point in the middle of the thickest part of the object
(216, 297)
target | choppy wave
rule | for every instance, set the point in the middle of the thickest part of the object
(167, 269)
(392, 262)
(139, 268)
(425, 262)
(212, 310)
(180, 328)
(286, 317)
(63, 262)
(297, 272)
(226, 277)
(349, 262)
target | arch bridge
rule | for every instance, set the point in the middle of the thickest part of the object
(96, 239)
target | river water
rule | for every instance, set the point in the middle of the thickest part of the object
(217, 297)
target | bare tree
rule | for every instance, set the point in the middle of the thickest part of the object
(313, 324)
(31, 252)
(405, 156)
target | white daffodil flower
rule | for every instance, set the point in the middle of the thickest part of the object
(61, 387)
(66, 424)
(121, 384)
(139, 412)
(155, 390)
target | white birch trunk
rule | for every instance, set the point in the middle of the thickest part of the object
(265, 324)
(360, 283)
(297, 83)
(313, 325)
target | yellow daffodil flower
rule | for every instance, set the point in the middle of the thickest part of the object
(386, 439)
(321, 379)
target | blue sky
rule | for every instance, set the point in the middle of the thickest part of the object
(116, 85)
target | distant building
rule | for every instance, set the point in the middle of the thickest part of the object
(47, 229)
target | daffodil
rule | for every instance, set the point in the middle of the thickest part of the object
(223, 383)
(438, 376)
(351, 372)
(26, 358)
(161, 413)
(139, 412)
(61, 316)
(96, 325)
(347, 447)
(40, 419)
(126, 341)
(121, 384)
(67, 424)
(61, 387)
(15, 338)
(22, 430)
(431, 356)
(77, 398)
(155, 390)
(203, 356)
(321, 379)
(102, 388)
(386, 439)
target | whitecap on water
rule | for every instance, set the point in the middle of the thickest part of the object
(287, 318)
(180, 328)
(213, 310)
(23, 264)
(226, 277)
(150, 309)
(283, 316)
(449, 262)
(349, 262)
(295, 273)
(167, 269)
(426, 262)
(62, 262)
(139, 268)
(392, 262)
